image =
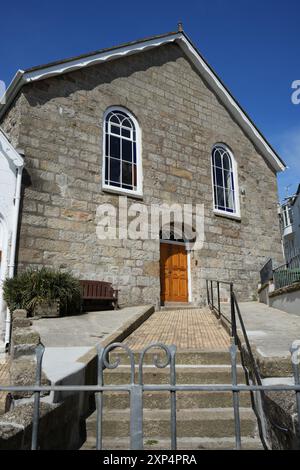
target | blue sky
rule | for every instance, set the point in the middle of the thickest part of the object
(253, 45)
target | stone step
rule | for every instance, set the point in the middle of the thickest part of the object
(191, 443)
(184, 400)
(182, 357)
(211, 423)
(200, 374)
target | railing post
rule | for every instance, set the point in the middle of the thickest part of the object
(236, 399)
(207, 292)
(99, 397)
(295, 350)
(212, 294)
(172, 350)
(136, 417)
(233, 318)
(37, 395)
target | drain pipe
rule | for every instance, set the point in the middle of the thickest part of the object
(11, 266)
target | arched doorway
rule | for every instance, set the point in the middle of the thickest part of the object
(175, 266)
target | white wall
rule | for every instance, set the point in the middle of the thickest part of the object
(7, 193)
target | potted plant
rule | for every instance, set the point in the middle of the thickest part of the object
(43, 292)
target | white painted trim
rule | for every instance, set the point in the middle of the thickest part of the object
(189, 273)
(139, 162)
(12, 259)
(232, 215)
(3, 270)
(21, 78)
(8, 151)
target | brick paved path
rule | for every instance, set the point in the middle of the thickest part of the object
(4, 380)
(186, 328)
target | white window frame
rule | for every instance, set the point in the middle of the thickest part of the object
(286, 215)
(237, 213)
(139, 173)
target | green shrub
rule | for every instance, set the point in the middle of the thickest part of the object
(33, 287)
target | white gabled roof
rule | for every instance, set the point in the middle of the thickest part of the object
(9, 152)
(56, 68)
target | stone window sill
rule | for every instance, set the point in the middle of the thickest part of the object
(228, 215)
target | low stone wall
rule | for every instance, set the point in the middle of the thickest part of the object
(62, 425)
(286, 299)
(276, 411)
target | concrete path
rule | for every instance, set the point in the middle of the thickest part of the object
(87, 329)
(192, 329)
(271, 331)
(70, 341)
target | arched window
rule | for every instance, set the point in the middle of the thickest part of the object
(224, 180)
(122, 160)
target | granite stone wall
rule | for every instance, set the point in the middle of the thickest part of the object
(58, 124)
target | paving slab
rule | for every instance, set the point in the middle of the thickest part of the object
(189, 329)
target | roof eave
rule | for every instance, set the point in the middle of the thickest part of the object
(192, 53)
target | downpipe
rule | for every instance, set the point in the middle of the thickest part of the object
(12, 257)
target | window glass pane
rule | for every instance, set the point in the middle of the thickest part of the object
(115, 119)
(220, 198)
(127, 173)
(134, 152)
(106, 170)
(106, 145)
(127, 150)
(114, 170)
(226, 161)
(229, 199)
(126, 123)
(219, 177)
(134, 175)
(115, 130)
(217, 158)
(114, 146)
(227, 179)
(126, 133)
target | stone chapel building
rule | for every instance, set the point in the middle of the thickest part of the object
(152, 121)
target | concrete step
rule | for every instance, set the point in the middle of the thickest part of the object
(191, 443)
(184, 400)
(211, 423)
(200, 374)
(171, 306)
(182, 357)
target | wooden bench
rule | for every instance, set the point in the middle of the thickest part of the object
(94, 293)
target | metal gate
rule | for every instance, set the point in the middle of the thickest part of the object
(136, 388)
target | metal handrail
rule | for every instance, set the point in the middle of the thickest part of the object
(234, 313)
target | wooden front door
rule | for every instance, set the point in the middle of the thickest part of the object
(173, 273)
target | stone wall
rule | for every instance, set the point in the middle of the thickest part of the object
(62, 423)
(60, 130)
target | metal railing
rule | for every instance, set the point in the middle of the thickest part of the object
(288, 273)
(248, 360)
(136, 388)
(235, 314)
